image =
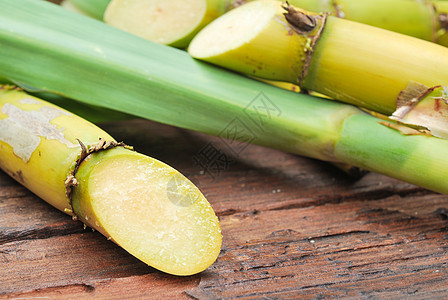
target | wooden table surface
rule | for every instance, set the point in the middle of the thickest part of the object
(292, 227)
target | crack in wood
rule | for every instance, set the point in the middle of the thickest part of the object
(361, 196)
(242, 282)
(339, 234)
(8, 235)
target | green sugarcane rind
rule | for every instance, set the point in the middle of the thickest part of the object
(79, 58)
(414, 156)
(46, 47)
(414, 18)
(93, 8)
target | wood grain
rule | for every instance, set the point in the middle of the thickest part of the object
(293, 228)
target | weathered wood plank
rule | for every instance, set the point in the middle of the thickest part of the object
(64, 260)
(389, 247)
(149, 286)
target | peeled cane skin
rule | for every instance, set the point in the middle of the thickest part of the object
(36, 150)
(142, 204)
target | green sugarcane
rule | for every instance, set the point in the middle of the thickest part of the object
(140, 203)
(422, 19)
(49, 48)
(348, 61)
(176, 22)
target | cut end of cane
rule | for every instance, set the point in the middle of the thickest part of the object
(153, 212)
(161, 21)
(253, 39)
(233, 30)
(443, 21)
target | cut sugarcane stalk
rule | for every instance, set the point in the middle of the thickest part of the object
(92, 8)
(421, 19)
(169, 22)
(140, 203)
(49, 48)
(352, 62)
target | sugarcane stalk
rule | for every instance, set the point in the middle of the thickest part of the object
(351, 62)
(421, 19)
(58, 51)
(140, 203)
(176, 22)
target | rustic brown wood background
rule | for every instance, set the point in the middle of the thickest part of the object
(292, 227)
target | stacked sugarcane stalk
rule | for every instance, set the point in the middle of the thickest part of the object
(175, 22)
(140, 203)
(366, 66)
(166, 85)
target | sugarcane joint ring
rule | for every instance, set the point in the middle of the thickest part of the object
(443, 21)
(71, 180)
(301, 22)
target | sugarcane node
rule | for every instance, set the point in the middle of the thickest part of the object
(304, 91)
(71, 181)
(443, 21)
(314, 38)
(237, 3)
(338, 11)
(299, 21)
(10, 87)
(231, 4)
